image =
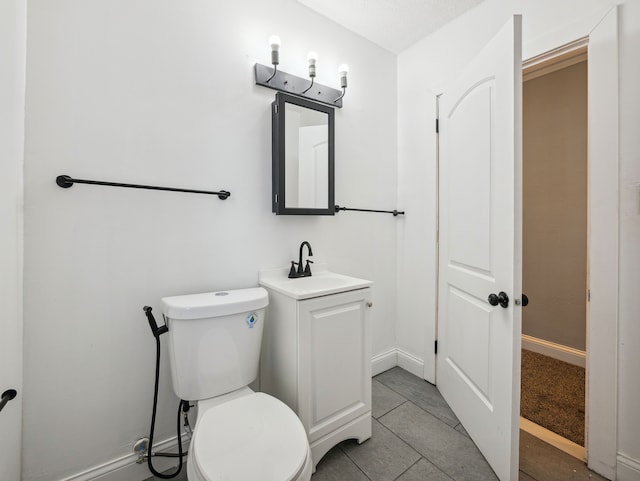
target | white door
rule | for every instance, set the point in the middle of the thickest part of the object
(478, 365)
(313, 168)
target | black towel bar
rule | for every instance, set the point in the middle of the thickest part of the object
(65, 182)
(394, 212)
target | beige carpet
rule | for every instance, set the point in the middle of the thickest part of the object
(553, 395)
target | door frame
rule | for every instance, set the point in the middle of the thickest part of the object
(603, 234)
(603, 263)
(534, 67)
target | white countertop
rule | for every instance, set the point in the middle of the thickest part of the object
(321, 283)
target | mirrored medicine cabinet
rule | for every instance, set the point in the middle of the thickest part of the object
(303, 157)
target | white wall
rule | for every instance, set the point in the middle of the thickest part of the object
(426, 67)
(417, 271)
(158, 92)
(554, 207)
(12, 82)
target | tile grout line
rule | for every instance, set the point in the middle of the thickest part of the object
(428, 461)
(436, 418)
(441, 469)
(354, 463)
(399, 439)
(402, 473)
(392, 409)
(410, 445)
(425, 410)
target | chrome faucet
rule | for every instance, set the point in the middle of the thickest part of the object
(301, 271)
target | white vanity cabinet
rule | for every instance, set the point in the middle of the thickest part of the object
(316, 357)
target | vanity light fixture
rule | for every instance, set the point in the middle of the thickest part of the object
(274, 43)
(276, 79)
(312, 58)
(343, 70)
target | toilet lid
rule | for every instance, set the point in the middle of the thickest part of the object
(255, 437)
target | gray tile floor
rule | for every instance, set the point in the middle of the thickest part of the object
(416, 437)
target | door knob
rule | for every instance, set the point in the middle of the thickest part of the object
(501, 299)
(525, 300)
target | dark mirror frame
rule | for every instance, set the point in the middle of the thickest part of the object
(278, 155)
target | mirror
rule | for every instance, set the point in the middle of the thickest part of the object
(303, 157)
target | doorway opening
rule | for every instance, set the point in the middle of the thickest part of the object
(555, 248)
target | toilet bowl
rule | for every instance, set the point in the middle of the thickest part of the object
(252, 437)
(239, 434)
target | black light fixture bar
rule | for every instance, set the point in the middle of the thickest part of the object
(394, 212)
(65, 182)
(291, 84)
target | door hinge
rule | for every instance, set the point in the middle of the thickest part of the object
(437, 126)
(588, 295)
(435, 346)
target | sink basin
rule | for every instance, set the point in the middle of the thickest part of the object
(321, 283)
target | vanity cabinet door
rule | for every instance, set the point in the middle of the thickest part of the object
(334, 361)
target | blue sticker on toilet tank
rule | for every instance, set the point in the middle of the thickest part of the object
(252, 319)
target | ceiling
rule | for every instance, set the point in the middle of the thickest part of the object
(392, 24)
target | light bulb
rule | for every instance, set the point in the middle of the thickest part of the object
(312, 57)
(274, 42)
(343, 70)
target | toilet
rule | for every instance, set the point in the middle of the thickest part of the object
(214, 351)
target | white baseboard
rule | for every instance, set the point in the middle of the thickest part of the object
(125, 467)
(383, 362)
(556, 351)
(410, 363)
(628, 469)
(397, 357)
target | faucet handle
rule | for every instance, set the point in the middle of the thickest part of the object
(293, 273)
(307, 269)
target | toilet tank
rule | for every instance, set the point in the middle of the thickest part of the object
(214, 340)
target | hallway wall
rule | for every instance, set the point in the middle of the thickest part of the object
(554, 224)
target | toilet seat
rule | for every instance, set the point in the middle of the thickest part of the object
(253, 437)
